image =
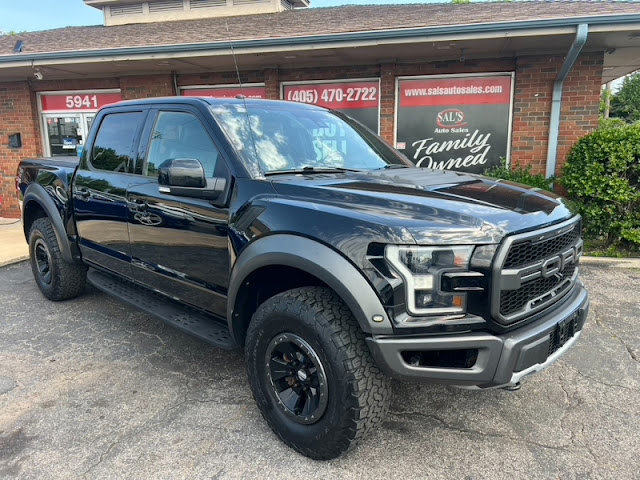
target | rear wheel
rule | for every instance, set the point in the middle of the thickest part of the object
(311, 372)
(56, 278)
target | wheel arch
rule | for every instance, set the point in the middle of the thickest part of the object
(298, 261)
(38, 203)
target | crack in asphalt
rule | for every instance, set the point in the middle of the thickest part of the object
(613, 334)
(468, 431)
(632, 354)
(573, 438)
(155, 418)
(593, 379)
(160, 416)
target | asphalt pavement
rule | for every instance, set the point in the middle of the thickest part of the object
(91, 388)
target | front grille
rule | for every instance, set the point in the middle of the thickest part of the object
(535, 270)
(524, 253)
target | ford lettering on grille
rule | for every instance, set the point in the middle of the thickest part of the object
(535, 270)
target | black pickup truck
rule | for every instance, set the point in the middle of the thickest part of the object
(296, 233)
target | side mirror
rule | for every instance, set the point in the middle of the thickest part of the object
(185, 177)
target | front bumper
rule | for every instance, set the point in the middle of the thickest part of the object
(502, 360)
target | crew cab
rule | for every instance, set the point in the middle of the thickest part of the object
(295, 233)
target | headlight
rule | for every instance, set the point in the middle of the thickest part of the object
(421, 268)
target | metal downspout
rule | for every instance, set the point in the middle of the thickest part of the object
(556, 99)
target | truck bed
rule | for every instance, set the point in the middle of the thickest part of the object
(64, 162)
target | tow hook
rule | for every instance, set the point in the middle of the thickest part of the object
(512, 388)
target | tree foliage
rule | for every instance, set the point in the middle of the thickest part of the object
(625, 103)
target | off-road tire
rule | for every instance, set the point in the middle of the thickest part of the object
(358, 393)
(56, 278)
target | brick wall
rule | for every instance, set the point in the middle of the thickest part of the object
(17, 115)
(580, 103)
(535, 77)
(531, 109)
(144, 86)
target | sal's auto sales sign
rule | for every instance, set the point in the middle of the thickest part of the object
(454, 122)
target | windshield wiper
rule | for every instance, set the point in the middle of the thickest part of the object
(389, 166)
(309, 169)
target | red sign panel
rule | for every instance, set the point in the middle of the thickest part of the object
(339, 96)
(226, 92)
(494, 90)
(78, 102)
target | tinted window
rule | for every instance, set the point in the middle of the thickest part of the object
(112, 149)
(180, 135)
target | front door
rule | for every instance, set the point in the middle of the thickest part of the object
(179, 244)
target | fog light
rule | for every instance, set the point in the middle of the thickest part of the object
(424, 299)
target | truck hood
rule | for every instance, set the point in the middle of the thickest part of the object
(433, 206)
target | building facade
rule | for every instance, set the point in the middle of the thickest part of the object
(452, 86)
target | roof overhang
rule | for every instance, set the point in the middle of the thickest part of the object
(617, 36)
(107, 3)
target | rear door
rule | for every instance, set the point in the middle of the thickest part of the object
(179, 245)
(100, 186)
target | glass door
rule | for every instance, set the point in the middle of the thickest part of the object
(66, 133)
(62, 134)
(87, 120)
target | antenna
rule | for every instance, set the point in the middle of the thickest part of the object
(233, 53)
(244, 99)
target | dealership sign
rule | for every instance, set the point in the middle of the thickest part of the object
(248, 91)
(454, 122)
(360, 99)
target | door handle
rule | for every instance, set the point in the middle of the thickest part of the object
(84, 194)
(138, 206)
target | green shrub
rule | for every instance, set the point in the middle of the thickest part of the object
(609, 123)
(602, 177)
(520, 175)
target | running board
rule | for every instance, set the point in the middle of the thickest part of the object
(189, 321)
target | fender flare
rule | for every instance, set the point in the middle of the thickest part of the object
(318, 260)
(36, 193)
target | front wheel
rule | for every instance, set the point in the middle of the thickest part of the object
(56, 278)
(311, 372)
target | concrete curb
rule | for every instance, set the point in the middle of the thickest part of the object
(13, 247)
(633, 262)
(22, 258)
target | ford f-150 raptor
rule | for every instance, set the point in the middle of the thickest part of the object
(296, 233)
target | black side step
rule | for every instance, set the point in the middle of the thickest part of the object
(189, 321)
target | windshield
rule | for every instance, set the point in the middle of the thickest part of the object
(285, 139)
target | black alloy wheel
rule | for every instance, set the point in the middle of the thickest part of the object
(297, 378)
(43, 261)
